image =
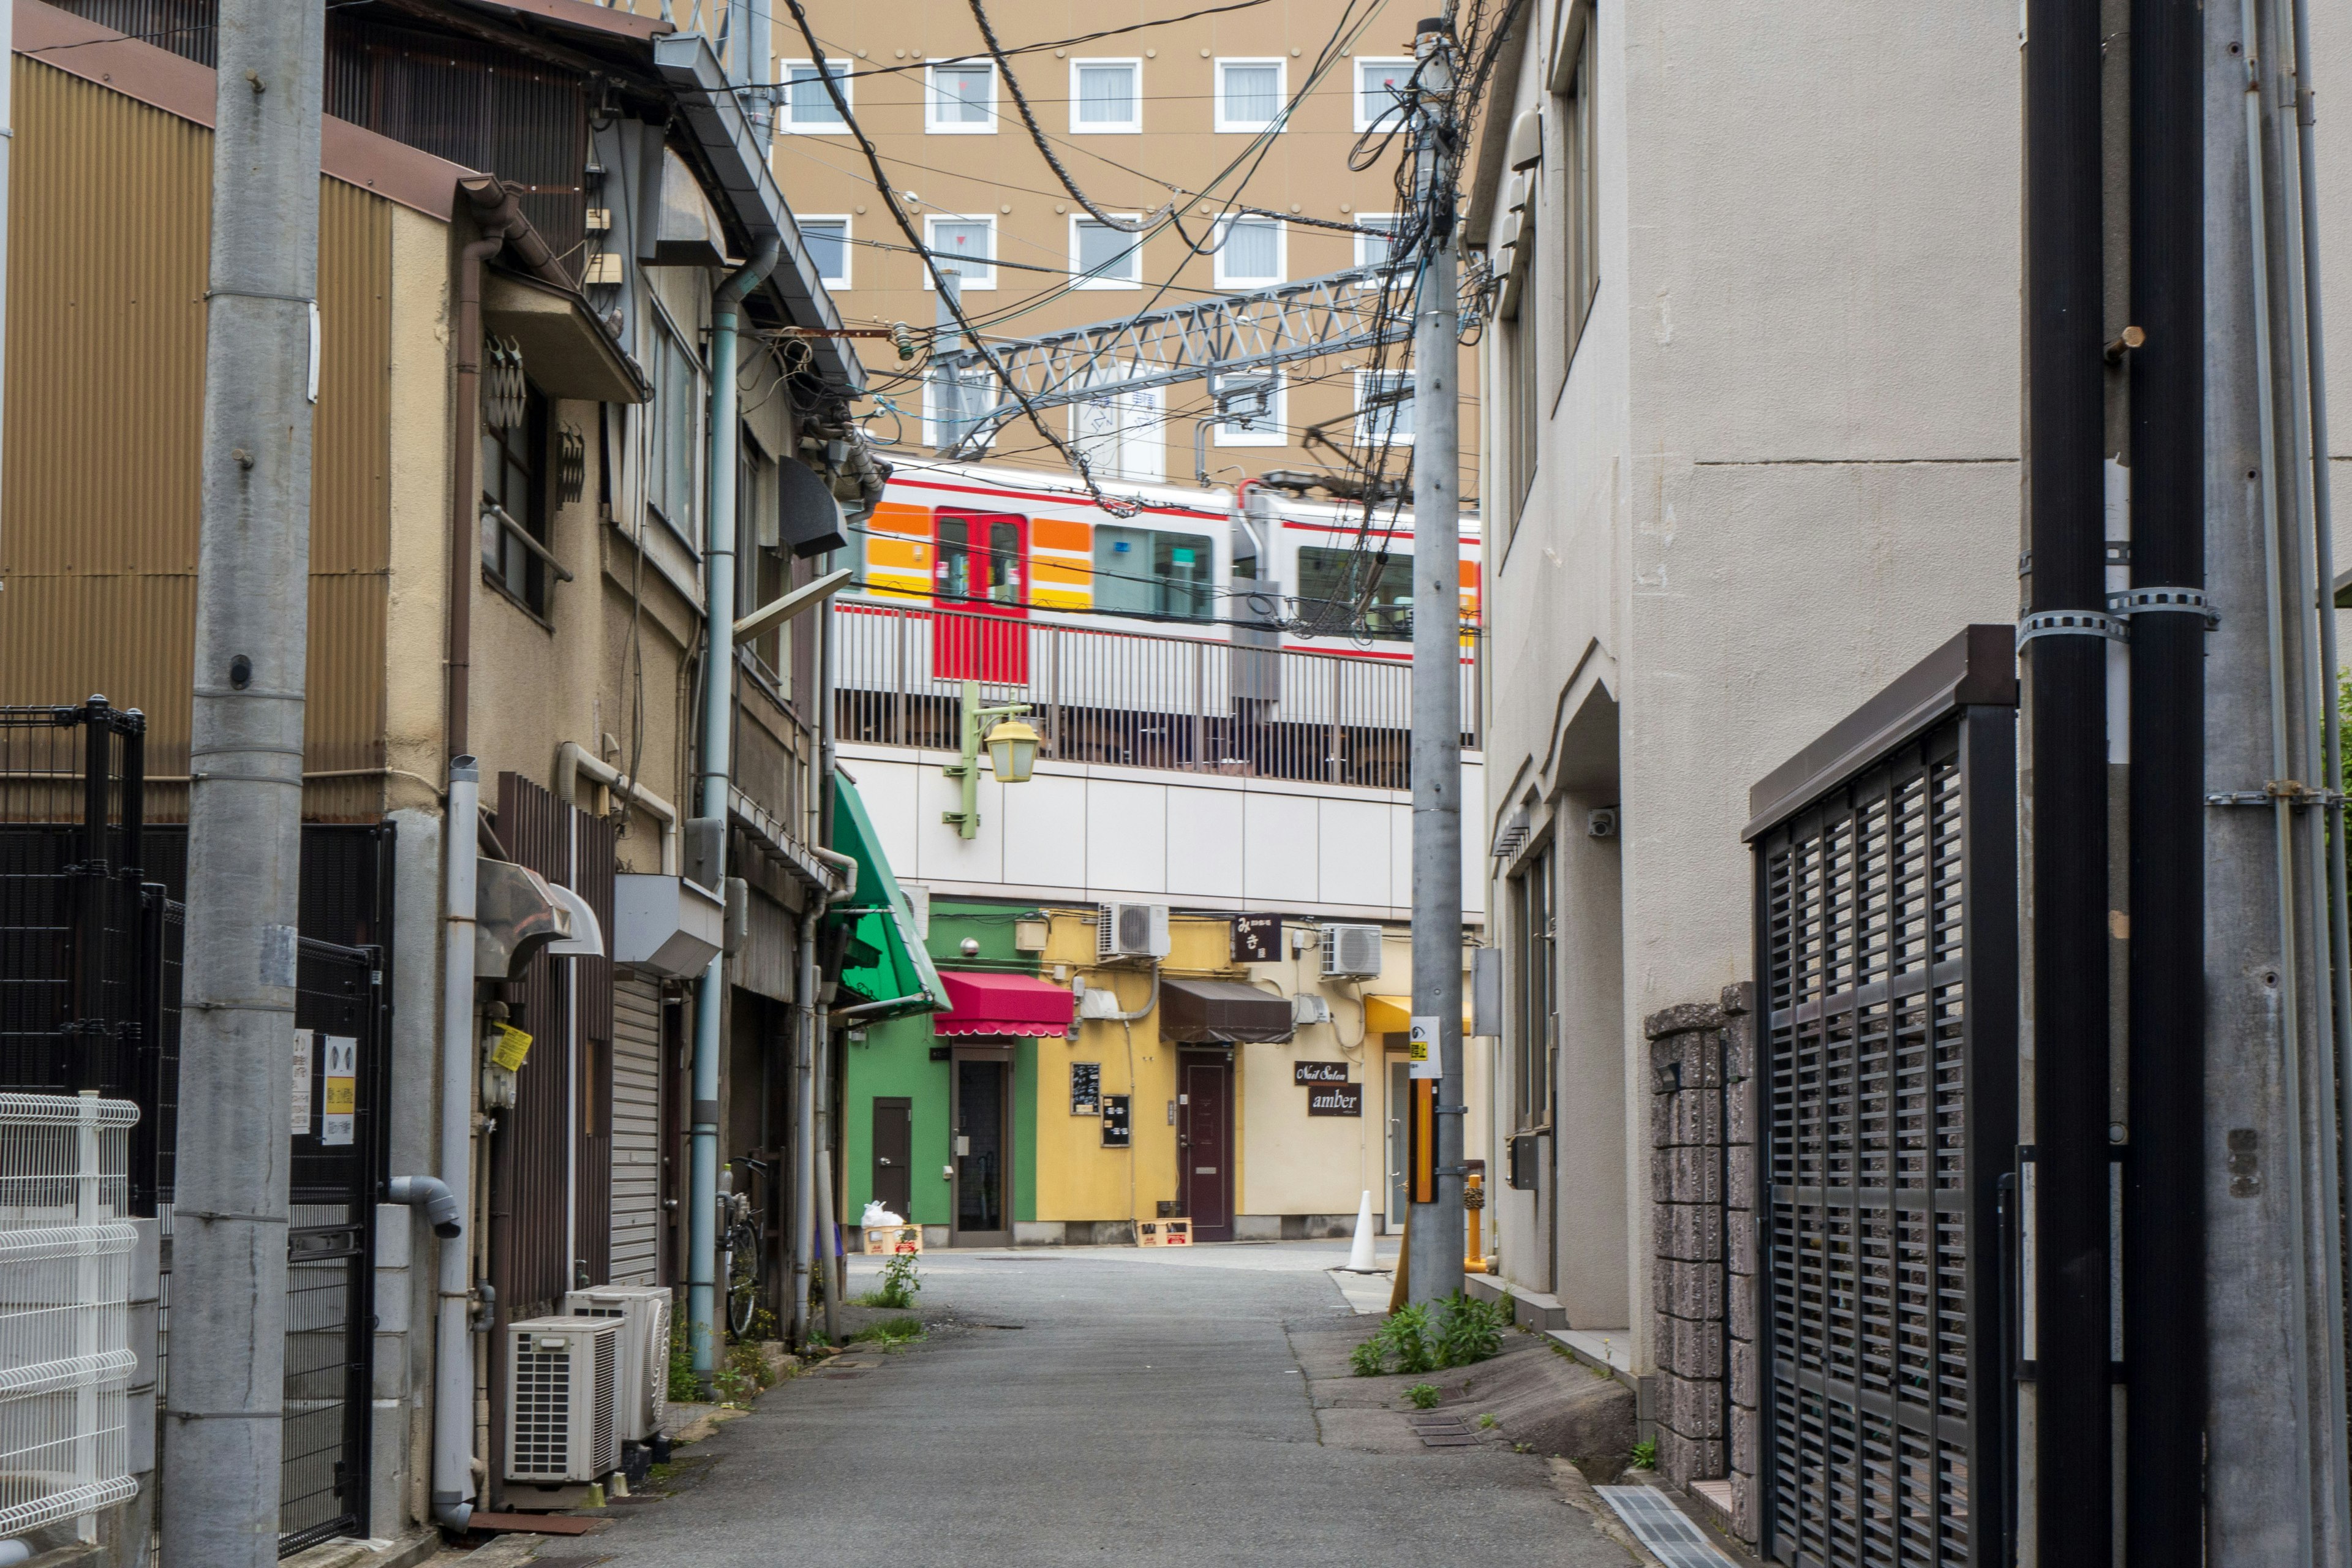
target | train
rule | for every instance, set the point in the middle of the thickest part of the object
(1211, 629)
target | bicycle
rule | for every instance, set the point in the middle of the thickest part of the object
(740, 1256)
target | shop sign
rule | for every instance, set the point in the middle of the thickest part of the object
(1116, 1132)
(1335, 1099)
(1257, 939)
(1319, 1072)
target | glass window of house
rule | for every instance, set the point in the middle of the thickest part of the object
(1249, 252)
(962, 98)
(1377, 84)
(1155, 574)
(1106, 258)
(1383, 407)
(514, 500)
(1332, 582)
(1104, 96)
(828, 246)
(1249, 94)
(968, 244)
(1537, 1012)
(677, 416)
(808, 107)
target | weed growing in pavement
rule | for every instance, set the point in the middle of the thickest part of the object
(1645, 1455)
(1422, 1394)
(1412, 1340)
(899, 1284)
(1488, 1420)
(684, 1386)
(1523, 1447)
(889, 1331)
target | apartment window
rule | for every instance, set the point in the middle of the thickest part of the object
(1535, 1013)
(1249, 252)
(1264, 429)
(1334, 583)
(1104, 257)
(1576, 198)
(1522, 342)
(1383, 407)
(827, 239)
(1152, 573)
(961, 101)
(807, 108)
(514, 497)
(676, 435)
(1374, 249)
(1105, 97)
(966, 244)
(767, 569)
(1380, 82)
(1249, 94)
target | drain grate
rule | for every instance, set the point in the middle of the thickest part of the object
(1661, 1527)
(1443, 1432)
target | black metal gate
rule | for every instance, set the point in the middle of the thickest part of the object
(1885, 927)
(91, 938)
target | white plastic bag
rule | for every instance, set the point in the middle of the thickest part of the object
(876, 1214)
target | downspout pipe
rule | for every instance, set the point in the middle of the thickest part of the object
(573, 759)
(453, 1362)
(431, 1194)
(718, 730)
(805, 1028)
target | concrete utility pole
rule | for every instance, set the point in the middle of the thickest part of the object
(226, 1408)
(945, 342)
(1436, 1238)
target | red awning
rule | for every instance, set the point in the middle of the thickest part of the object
(981, 1004)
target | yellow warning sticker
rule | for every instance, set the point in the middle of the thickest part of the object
(511, 1046)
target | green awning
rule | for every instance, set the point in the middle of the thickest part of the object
(887, 975)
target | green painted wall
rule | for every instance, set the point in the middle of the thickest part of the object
(895, 1060)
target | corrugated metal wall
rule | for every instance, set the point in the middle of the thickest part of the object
(636, 1254)
(110, 225)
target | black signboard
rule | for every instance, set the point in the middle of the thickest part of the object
(1319, 1072)
(1115, 1124)
(1335, 1099)
(1086, 1088)
(1257, 939)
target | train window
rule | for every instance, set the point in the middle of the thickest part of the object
(1146, 571)
(1332, 582)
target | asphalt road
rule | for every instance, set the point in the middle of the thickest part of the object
(1100, 1407)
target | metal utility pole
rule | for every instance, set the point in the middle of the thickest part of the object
(227, 1408)
(1436, 1224)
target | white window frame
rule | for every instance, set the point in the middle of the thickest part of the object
(1281, 253)
(1364, 434)
(1356, 89)
(1225, 122)
(1133, 127)
(1374, 220)
(1272, 431)
(933, 125)
(965, 284)
(1078, 277)
(843, 79)
(848, 225)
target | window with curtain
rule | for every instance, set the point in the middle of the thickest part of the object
(1377, 84)
(1373, 249)
(962, 97)
(1249, 94)
(968, 244)
(1249, 252)
(1383, 407)
(1105, 95)
(807, 106)
(1106, 258)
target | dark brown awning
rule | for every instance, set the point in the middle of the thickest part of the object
(1220, 1013)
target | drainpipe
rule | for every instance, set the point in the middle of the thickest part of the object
(573, 759)
(718, 715)
(453, 1369)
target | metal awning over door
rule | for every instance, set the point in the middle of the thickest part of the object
(1221, 1013)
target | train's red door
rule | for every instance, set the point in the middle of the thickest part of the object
(980, 585)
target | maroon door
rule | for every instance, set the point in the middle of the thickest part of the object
(1205, 1145)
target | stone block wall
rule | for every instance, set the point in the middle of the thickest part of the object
(1703, 1182)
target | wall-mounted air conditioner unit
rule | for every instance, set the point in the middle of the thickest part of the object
(1132, 931)
(1305, 1009)
(562, 1377)
(644, 1388)
(1351, 952)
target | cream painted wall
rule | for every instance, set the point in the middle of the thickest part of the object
(416, 618)
(1784, 463)
(1082, 831)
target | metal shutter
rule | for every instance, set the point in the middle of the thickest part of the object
(636, 1130)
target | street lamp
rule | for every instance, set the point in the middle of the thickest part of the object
(1012, 753)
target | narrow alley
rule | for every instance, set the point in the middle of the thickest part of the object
(1112, 1404)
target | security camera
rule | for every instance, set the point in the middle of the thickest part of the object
(1602, 823)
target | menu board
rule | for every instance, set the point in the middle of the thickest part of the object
(1086, 1088)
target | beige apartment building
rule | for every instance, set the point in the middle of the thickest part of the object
(1243, 122)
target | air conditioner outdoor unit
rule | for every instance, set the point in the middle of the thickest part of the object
(1306, 1010)
(1132, 931)
(562, 1374)
(644, 1388)
(1351, 952)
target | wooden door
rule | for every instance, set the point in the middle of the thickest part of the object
(894, 1155)
(979, 585)
(1205, 1122)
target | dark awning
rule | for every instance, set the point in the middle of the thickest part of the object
(1220, 1013)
